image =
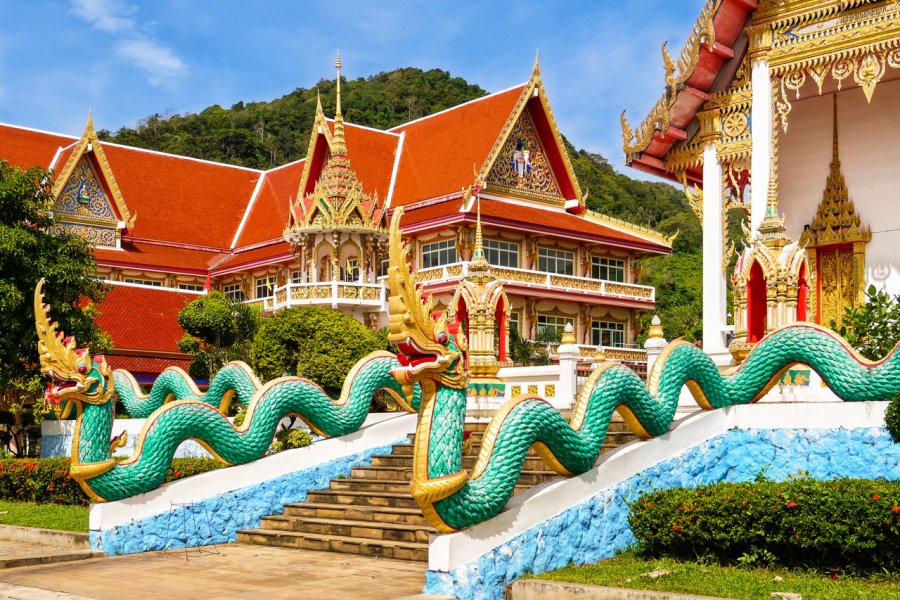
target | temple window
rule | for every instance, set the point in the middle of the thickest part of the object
(190, 287)
(560, 262)
(608, 333)
(514, 320)
(438, 254)
(233, 292)
(149, 282)
(607, 269)
(350, 270)
(548, 323)
(502, 254)
(265, 286)
(383, 267)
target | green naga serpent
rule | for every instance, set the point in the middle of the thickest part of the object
(453, 498)
(86, 386)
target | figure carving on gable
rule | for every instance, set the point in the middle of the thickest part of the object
(523, 166)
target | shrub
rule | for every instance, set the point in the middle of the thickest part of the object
(892, 417)
(847, 523)
(47, 480)
(287, 439)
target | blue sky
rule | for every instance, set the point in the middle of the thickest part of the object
(128, 59)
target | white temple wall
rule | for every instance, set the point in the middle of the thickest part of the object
(869, 139)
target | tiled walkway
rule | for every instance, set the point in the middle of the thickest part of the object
(240, 571)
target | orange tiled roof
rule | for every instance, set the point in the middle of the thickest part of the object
(439, 151)
(549, 221)
(145, 365)
(272, 252)
(182, 200)
(156, 255)
(26, 148)
(143, 318)
(269, 213)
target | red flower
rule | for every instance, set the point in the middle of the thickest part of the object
(896, 509)
(676, 528)
(791, 504)
(875, 497)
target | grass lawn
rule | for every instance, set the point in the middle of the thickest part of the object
(47, 516)
(628, 571)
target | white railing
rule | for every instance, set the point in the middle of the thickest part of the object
(330, 293)
(459, 270)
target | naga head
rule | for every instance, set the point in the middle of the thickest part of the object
(74, 376)
(428, 349)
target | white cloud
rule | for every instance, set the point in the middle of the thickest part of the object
(160, 62)
(113, 16)
(117, 17)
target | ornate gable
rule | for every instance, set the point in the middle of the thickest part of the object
(88, 201)
(529, 158)
(522, 166)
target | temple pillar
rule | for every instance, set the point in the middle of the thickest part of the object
(761, 133)
(714, 286)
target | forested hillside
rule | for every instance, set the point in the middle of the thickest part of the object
(268, 134)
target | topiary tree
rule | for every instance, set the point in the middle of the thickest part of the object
(316, 342)
(219, 331)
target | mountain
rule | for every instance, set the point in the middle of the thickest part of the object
(268, 134)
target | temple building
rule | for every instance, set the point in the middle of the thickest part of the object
(787, 111)
(166, 227)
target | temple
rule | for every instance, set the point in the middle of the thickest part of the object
(784, 110)
(165, 228)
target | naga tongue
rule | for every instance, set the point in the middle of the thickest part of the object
(51, 395)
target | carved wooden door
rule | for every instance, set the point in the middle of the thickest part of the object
(837, 287)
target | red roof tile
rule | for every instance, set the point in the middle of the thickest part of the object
(26, 148)
(552, 222)
(269, 213)
(143, 318)
(181, 200)
(439, 151)
(277, 252)
(145, 365)
(154, 255)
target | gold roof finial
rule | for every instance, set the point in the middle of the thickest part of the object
(340, 146)
(319, 111)
(834, 142)
(479, 261)
(536, 69)
(89, 126)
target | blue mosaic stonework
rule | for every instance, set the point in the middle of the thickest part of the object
(217, 519)
(598, 528)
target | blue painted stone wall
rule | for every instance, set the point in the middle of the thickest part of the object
(56, 446)
(598, 528)
(216, 520)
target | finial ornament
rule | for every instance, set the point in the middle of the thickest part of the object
(656, 330)
(340, 146)
(536, 69)
(568, 336)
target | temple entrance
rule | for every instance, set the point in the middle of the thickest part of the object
(836, 286)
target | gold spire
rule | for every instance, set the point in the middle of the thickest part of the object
(536, 69)
(319, 111)
(89, 126)
(340, 146)
(835, 161)
(479, 264)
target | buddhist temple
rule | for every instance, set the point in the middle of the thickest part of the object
(784, 110)
(166, 227)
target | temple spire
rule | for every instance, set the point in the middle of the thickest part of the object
(479, 261)
(319, 111)
(340, 146)
(834, 142)
(536, 69)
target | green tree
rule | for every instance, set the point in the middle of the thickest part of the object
(874, 328)
(219, 331)
(29, 252)
(316, 342)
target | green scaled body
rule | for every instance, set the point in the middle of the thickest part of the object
(233, 381)
(574, 448)
(174, 422)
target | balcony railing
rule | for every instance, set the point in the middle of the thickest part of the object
(329, 293)
(543, 280)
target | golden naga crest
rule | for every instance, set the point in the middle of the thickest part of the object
(74, 375)
(427, 348)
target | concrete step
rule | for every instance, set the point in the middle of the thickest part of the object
(416, 551)
(403, 474)
(377, 514)
(357, 498)
(370, 485)
(398, 532)
(532, 463)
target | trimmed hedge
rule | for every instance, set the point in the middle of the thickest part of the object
(47, 480)
(847, 523)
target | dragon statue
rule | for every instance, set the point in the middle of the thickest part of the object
(453, 498)
(86, 386)
(234, 381)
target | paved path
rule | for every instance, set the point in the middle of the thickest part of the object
(23, 549)
(240, 571)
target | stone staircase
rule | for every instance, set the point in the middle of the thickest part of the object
(372, 512)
